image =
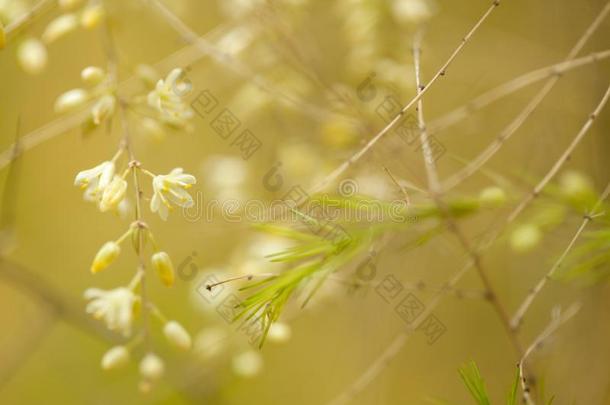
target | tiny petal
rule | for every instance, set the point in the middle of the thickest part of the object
(115, 358)
(59, 27)
(92, 75)
(70, 100)
(177, 335)
(92, 16)
(32, 56)
(113, 194)
(105, 256)
(163, 264)
(152, 367)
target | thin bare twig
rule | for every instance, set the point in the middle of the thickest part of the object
(516, 123)
(26, 18)
(563, 158)
(529, 299)
(557, 320)
(241, 69)
(441, 72)
(513, 86)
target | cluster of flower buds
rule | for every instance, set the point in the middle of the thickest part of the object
(32, 52)
(100, 88)
(106, 185)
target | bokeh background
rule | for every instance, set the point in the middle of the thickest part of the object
(319, 51)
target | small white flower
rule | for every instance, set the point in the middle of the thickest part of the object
(152, 367)
(177, 335)
(167, 98)
(70, 100)
(115, 307)
(59, 27)
(32, 56)
(171, 188)
(95, 180)
(113, 195)
(115, 358)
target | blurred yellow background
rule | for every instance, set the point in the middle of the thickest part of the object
(309, 49)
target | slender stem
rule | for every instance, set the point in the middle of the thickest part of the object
(134, 165)
(236, 66)
(516, 123)
(529, 299)
(557, 320)
(441, 72)
(513, 86)
(26, 18)
(437, 194)
(563, 158)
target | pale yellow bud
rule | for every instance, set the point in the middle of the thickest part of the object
(92, 16)
(105, 256)
(163, 264)
(102, 109)
(32, 56)
(279, 332)
(492, 197)
(177, 335)
(525, 237)
(152, 367)
(115, 358)
(59, 27)
(71, 100)
(113, 194)
(92, 75)
(69, 4)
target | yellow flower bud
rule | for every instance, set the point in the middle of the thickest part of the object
(92, 16)
(59, 27)
(115, 358)
(70, 100)
(177, 335)
(92, 75)
(113, 194)
(152, 367)
(32, 56)
(105, 256)
(163, 264)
